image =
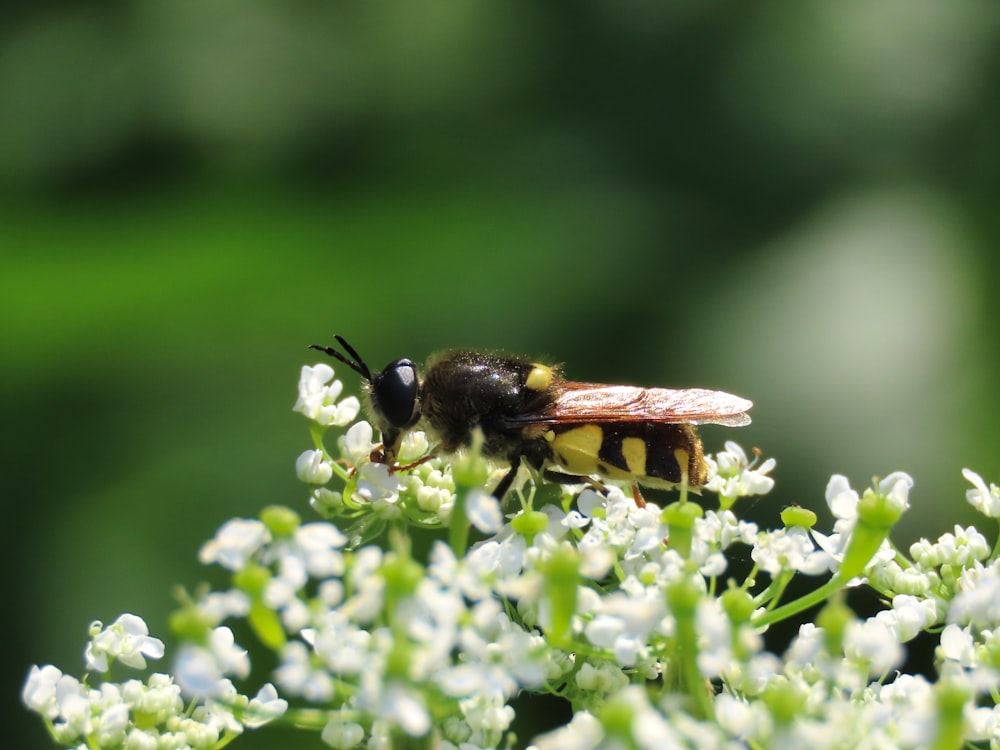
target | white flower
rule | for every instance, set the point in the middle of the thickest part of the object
(619, 525)
(39, 691)
(807, 647)
(487, 717)
(413, 446)
(872, 642)
(914, 710)
(311, 468)
(342, 735)
(431, 621)
(843, 503)
(841, 499)
(220, 707)
(978, 603)
(890, 575)
(908, 616)
(957, 645)
(160, 697)
(126, 640)
(326, 502)
(498, 658)
(231, 658)
(602, 678)
(722, 529)
(715, 638)
(622, 623)
(235, 543)
(984, 499)
(583, 732)
(959, 549)
(404, 707)
(742, 719)
(983, 723)
(484, 670)
(434, 487)
(111, 718)
(199, 669)
(356, 444)
(731, 475)
(896, 488)
(74, 710)
(343, 646)
(377, 487)
(138, 739)
(318, 401)
(297, 674)
(313, 550)
(789, 549)
(483, 511)
(196, 671)
(589, 501)
(715, 564)
(367, 585)
(217, 606)
(203, 729)
(472, 576)
(264, 707)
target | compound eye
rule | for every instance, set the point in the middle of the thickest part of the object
(395, 390)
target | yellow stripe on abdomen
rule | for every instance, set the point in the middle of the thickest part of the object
(634, 451)
(578, 451)
(642, 452)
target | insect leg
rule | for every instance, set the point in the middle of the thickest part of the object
(412, 464)
(560, 477)
(640, 501)
(508, 479)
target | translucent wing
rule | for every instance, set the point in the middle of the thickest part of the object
(591, 402)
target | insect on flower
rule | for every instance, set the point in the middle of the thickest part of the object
(528, 412)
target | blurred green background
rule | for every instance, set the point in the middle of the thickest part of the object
(795, 203)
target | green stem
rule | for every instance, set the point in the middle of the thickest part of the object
(400, 739)
(683, 597)
(802, 603)
(458, 525)
(780, 584)
(773, 590)
(697, 687)
(951, 701)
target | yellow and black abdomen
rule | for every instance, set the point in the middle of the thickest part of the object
(643, 452)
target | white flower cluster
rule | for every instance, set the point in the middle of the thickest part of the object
(731, 475)
(381, 640)
(630, 626)
(424, 494)
(134, 714)
(318, 394)
(632, 613)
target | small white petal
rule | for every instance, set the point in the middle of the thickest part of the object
(483, 511)
(312, 469)
(356, 444)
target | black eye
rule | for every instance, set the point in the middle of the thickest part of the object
(395, 390)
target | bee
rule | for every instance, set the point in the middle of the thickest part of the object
(529, 413)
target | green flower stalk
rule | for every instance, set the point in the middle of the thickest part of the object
(878, 511)
(680, 519)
